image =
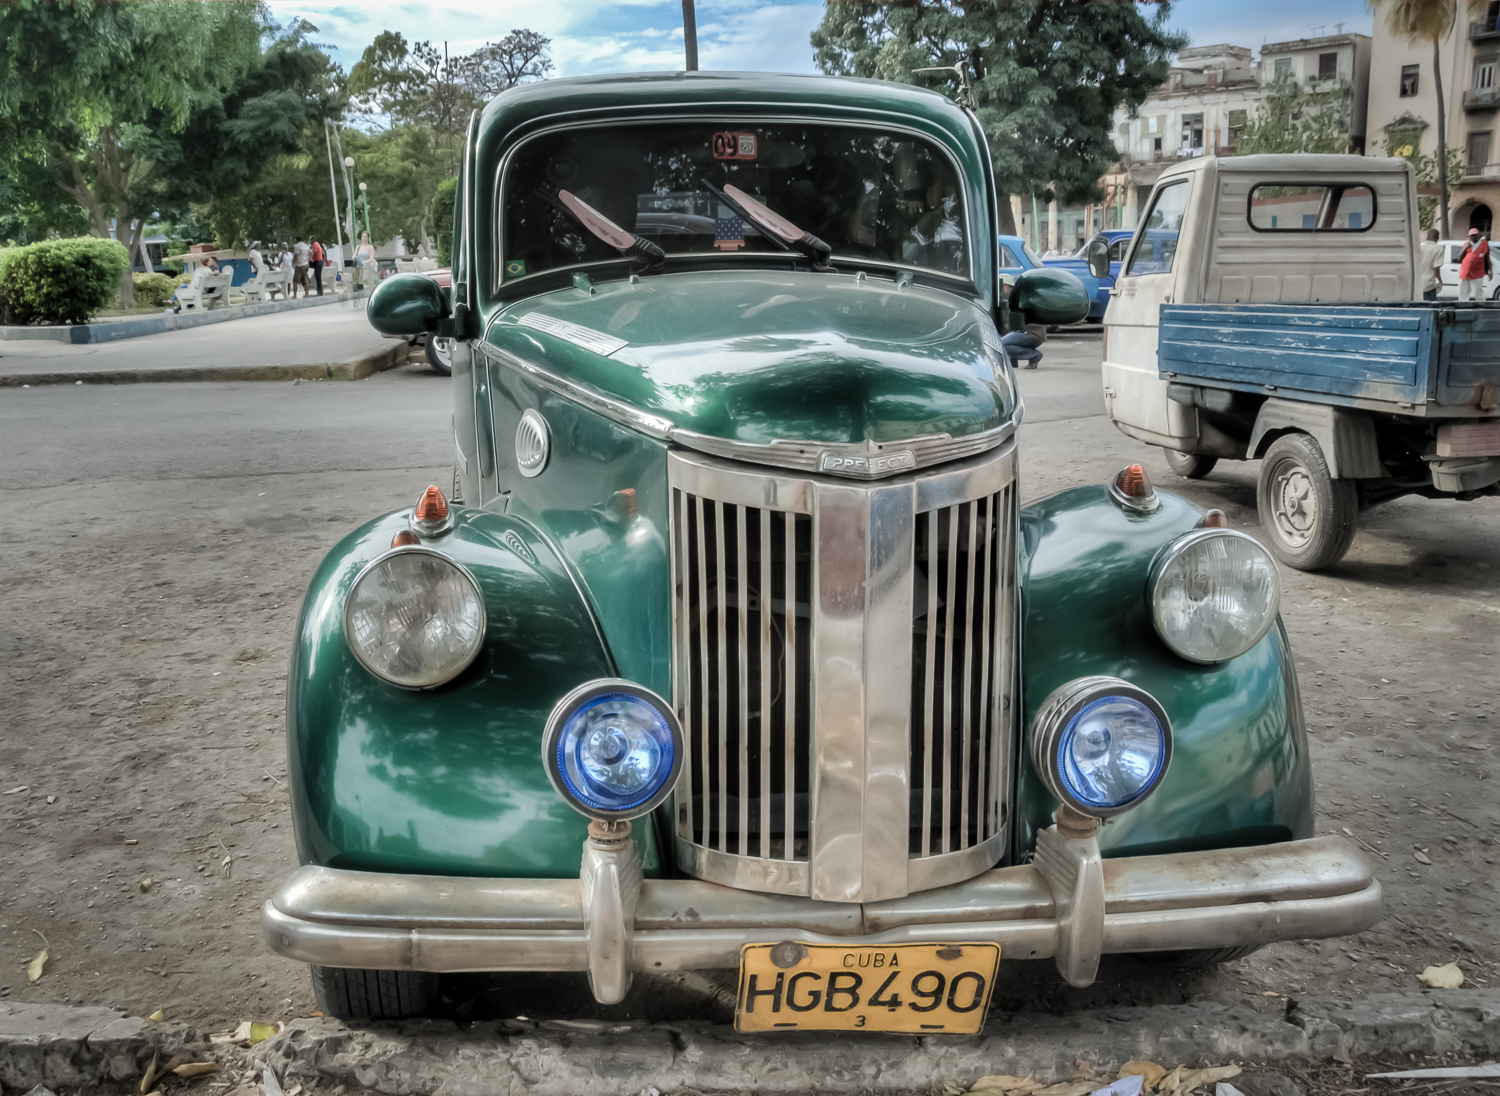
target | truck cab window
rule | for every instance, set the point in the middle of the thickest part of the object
(1157, 245)
(1331, 207)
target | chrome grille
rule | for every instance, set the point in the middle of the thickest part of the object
(843, 669)
(962, 594)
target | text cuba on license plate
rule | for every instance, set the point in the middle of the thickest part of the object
(909, 988)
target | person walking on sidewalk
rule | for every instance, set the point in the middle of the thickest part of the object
(1473, 266)
(318, 257)
(364, 260)
(1429, 265)
(301, 256)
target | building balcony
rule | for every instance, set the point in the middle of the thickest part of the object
(1482, 99)
(1481, 173)
(1487, 28)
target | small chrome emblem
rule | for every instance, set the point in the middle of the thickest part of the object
(877, 464)
(533, 443)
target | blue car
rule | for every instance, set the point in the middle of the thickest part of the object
(1118, 240)
(1016, 256)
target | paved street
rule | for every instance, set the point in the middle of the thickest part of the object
(158, 540)
(331, 334)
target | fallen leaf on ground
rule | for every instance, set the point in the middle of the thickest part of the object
(52, 799)
(158, 1015)
(1067, 1088)
(1447, 976)
(35, 967)
(1197, 1078)
(131, 841)
(1169, 1084)
(196, 1069)
(17, 791)
(1269, 993)
(144, 885)
(1149, 1070)
(1421, 858)
(149, 1077)
(1004, 1083)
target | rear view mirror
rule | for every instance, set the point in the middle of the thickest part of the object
(406, 304)
(1098, 257)
(1047, 295)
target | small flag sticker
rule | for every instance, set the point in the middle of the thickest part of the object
(729, 234)
(515, 268)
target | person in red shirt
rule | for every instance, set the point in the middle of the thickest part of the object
(319, 257)
(1473, 265)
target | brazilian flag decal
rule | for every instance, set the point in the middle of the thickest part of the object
(515, 268)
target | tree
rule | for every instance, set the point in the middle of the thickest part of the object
(1404, 139)
(519, 57)
(97, 92)
(1295, 119)
(1429, 21)
(1047, 75)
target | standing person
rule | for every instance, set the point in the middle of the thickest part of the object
(318, 258)
(301, 256)
(1430, 264)
(1473, 266)
(257, 262)
(364, 259)
(284, 263)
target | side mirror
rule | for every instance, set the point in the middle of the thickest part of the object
(1098, 257)
(1046, 295)
(406, 304)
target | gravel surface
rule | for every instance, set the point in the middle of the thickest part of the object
(158, 541)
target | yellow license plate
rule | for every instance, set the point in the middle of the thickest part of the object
(908, 988)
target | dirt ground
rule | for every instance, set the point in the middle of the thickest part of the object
(145, 620)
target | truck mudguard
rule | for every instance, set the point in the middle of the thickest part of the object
(1346, 437)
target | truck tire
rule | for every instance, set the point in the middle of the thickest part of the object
(348, 994)
(1189, 465)
(439, 354)
(1195, 959)
(1308, 515)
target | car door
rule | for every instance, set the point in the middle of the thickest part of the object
(1453, 251)
(1134, 393)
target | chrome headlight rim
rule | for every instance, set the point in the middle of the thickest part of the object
(404, 550)
(557, 722)
(1174, 551)
(1060, 708)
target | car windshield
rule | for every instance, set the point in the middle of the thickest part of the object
(1036, 260)
(870, 196)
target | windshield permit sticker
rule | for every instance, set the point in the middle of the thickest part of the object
(729, 233)
(515, 268)
(734, 146)
(586, 337)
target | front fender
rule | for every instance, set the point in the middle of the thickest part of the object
(1240, 772)
(449, 780)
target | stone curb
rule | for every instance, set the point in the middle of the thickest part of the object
(356, 370)
(111, 330)
(59, 1045)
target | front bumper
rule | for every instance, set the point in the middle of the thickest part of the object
(1067, 904)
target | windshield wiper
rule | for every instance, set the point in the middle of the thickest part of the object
(775, 227)
(627, 243)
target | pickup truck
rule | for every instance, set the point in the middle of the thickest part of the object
(1266, 312)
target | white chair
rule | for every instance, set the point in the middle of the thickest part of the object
(215, 287)
(425, 264)
(191, 294)
(406, 266)
(257, 289)
(277, 281)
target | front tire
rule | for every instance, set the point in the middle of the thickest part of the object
(439, 354)
(349, 994)
(1309, 517)
(1189, 465)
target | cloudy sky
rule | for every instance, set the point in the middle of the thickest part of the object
(764, 35)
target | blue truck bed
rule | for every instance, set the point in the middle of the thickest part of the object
(1431, 359)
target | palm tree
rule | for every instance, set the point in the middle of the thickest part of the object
(1429, 21)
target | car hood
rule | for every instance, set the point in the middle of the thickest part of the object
(764, 356)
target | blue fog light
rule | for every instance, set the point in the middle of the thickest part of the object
(612, 749)
(1111, 752)
(1101, 745)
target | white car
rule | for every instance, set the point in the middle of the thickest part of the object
(1448, 290)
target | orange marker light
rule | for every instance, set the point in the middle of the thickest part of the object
(432, 506)
(405, 537)
(1132, 481)
(1214, 519)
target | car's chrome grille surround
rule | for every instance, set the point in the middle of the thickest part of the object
(873, 768)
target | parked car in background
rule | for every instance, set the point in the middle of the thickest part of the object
(1018, 256)
(437, 349)
(1453, 252)
(1117, 240)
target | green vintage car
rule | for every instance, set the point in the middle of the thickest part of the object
(731, 646)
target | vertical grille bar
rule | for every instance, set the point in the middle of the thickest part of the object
(987, 597)
(703, 791)
(967, 725)
(766, 667)
(721, 574)
(742, 698)
(681, 574)
(948, 679)
(789, 678)
(930, 679)
(1005, 631)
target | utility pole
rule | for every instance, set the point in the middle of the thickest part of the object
(690, 34)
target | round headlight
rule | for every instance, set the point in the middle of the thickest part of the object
(1101, 744)
(415, 618)
(612, 749)
(1214, 593)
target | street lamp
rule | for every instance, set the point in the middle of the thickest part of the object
(364, 200)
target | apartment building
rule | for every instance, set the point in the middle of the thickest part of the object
(1403, 107)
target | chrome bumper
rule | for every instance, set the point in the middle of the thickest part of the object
(1068, 905)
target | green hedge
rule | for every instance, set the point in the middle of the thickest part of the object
(60, 281)
(442, 219)
(154, 290)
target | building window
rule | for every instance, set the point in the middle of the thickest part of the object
(1283, 67)
(1192, 131)
(1484, 73)
(1151, 125)
(1478, 153)
(1328, 66)
(1409, 80)
(1237, 119)
(1156, 144)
